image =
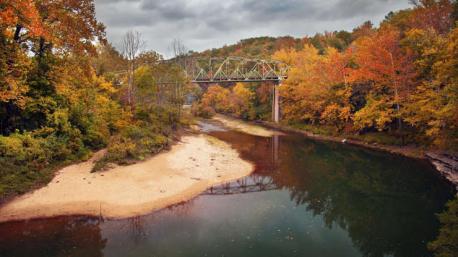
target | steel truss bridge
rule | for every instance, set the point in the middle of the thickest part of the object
(229, 70)
(232, 69)
(250, 184)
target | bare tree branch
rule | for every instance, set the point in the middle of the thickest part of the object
(178, 48)
(132, 45)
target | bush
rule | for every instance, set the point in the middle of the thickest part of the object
(24, 149)
(95, 139)
(28, 158)
(133, 143)
(202, 111)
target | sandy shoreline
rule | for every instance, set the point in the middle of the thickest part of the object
(245, 127)
(188, 169)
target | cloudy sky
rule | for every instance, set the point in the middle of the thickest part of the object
(203, 24)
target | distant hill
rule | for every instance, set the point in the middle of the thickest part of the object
(265, 47)
(259, 47)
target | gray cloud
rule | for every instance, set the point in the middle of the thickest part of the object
(203, 24)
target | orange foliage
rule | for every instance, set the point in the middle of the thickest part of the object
(217, 98)
(382, 63)
(23, 13)
(54, 21)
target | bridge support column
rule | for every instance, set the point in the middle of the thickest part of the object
(276, 104)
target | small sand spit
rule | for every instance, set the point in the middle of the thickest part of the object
(244, 127)
(193, 165)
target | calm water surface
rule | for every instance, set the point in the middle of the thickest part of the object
(306, 198)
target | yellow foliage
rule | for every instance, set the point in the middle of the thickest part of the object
(242, 100)
(309, 93)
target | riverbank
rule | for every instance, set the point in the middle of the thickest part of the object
(447, 166)
(189, 168)
(245, 127)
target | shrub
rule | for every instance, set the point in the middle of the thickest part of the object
(133, 143)
(28, 158)
(203, 111)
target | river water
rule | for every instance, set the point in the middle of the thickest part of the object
(305, 198)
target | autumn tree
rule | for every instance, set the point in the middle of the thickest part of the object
(388, 68)
(432, 108)
(149, 58)
(15, 15)
(108, 60)
(54, 25)
(432, 14)
(14, 63)
(364, 30)
(218, 98)
(43, 30)
(316, 90)
(242, 101)
(299, 92)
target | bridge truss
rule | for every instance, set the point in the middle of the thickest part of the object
(232, 69)
(251, 184)
(227, 71)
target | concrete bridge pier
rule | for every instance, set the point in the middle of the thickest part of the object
(276, 103)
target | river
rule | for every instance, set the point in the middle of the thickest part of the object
(305, 198)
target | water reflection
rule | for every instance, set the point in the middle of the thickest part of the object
(63, 236)
(305, 198)
(386, 203)
(251, 184)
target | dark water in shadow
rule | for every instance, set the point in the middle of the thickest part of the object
(305, 198)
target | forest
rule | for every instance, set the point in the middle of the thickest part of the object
(66, 92)
(394, 84)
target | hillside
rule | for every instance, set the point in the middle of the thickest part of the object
(265, 47)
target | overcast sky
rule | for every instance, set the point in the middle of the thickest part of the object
(204, 24)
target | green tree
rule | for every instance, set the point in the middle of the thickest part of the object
(446, 244)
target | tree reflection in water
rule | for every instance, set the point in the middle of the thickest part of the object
(62, 236)
(386, 203)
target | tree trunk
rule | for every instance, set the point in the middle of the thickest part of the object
(17, 33)
(396, 93)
